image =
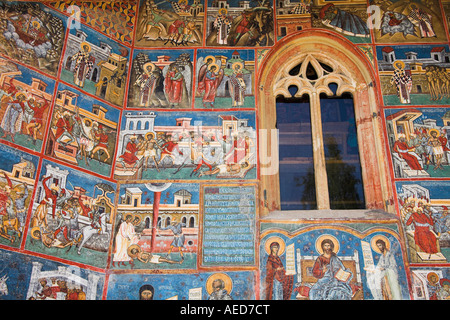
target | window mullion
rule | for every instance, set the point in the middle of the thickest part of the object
(320, 172)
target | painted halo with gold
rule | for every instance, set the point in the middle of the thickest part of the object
(149, 135)
(85, 44)
(149, 64)
(213, 65)
(130, 252)
(430, 275)
(210, 57)
(21, 93)
(223, 11)
(219, 276)
(87, 122)
(33, 230)
(434, 130)
(36, 24)
(273, 239)
(373, 243)
(139, 217)
(399, 65)
(330, 237)
(233, 66)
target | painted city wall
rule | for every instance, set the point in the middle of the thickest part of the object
(130, 153)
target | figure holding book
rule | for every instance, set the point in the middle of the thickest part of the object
(333, 277)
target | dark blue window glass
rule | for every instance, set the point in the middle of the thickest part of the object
(296, 168)
(343, 165)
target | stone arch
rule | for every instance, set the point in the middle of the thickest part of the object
(353, 73)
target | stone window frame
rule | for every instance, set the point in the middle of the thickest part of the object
(353, 73)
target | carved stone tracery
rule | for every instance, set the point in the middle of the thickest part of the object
(326, 71)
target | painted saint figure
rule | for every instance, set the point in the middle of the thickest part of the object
(175, 85)
(383, 280)
(403, 81)
(436, 147)
(422, 19)
(213, 78)
(237, 88)
(125, 237)
(278, 284)
(222, 24)
(84, 63)
(325, 269)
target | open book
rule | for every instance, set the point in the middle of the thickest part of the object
(343, 275)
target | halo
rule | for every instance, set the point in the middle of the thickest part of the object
(182, 1)
(330, 237)
(210, 57)
(36, 24)
(397, 62)
(149, 134)
(213, 65)
(133, 246)
(21, 93)
(146, 65)
(223, 10)
(373, 243)
(32, 233)
(433, 130)
(137, 216)
(237, 63)
(222, 276)
(275, 239)
(84, 44)
(87, 122)
(430, 275)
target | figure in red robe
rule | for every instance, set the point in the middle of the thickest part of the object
(64, 130)
(423, 236)
(37, 122)
(443, 139)
(402, 149)
(175, 85)
(129, 157)
(50, 194)
(212, 80)
(275, 273)
(168, 149)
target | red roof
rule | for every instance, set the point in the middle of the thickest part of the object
(395, 115)
(228, 117)
(437, 49)
(388, 49)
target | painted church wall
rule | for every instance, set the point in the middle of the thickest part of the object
(130, 152)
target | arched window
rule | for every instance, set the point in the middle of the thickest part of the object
(308, 71)
(296, 151)
(167, 221)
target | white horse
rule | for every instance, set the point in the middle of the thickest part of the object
(3, 286)
(88, 231)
